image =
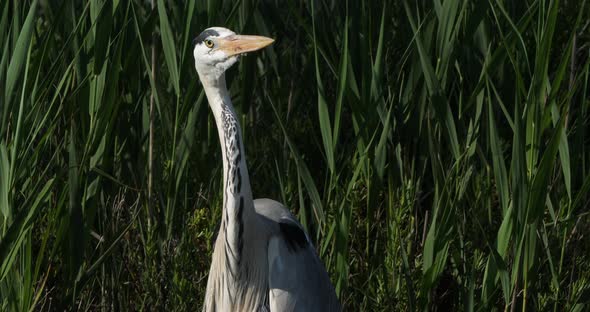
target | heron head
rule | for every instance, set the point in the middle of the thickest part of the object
(216, 49)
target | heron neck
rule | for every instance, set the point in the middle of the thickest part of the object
(237, 194)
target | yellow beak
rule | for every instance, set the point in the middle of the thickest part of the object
(239, 44)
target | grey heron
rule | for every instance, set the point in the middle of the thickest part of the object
(262, 258)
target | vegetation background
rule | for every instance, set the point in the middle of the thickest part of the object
(437, 151)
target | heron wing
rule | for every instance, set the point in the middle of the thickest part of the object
(298, 280)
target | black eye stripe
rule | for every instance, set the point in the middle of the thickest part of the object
(206, 33)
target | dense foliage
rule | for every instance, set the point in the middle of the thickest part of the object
(437, 151)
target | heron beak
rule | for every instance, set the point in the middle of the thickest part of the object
(239, 44)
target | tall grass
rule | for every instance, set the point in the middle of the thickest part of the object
(436, 151)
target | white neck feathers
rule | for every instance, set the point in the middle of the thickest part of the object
(237, 194)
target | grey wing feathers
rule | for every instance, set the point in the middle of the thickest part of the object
(298, 280)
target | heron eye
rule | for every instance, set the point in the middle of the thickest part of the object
(209, 43)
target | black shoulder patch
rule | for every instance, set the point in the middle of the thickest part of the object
(293, 235)
(206, 33)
